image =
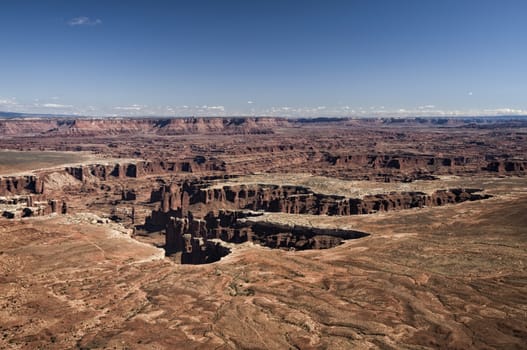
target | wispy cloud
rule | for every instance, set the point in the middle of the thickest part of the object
(50, 106)
(426, 107)
(134, 107)
(419, 111)
(56, 105)
(9, 101)
(215, 108)
(84, 21)
(137, 110)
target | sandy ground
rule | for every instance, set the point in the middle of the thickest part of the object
(16, 163)
(443, 277)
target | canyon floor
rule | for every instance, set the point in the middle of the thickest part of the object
(449, 276)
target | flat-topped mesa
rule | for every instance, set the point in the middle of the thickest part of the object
(84, 126)
(35, 183)
(138, 126)
(227, 125)
(301, 200)
(418, 164)
(399, 162)
(140, 168)
(177, 199)
(189, 232)
(118, 170)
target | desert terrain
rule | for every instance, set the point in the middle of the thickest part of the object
(263, 233)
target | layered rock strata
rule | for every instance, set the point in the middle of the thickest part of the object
(189, 231)
(176, 198)
(13, 207)
(130, 126)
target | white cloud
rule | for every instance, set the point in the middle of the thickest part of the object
(382, 111)
(216, 108)
(506, 111)
(84, 21)
(133, 107)
(11, 104)
(470, 93)
(250, 102)
(55, 105)
(8, 101)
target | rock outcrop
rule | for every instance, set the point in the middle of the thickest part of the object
(192, 237)
(131, 126)
(301, 200)
(189, 236)
(189, 231)
(14, 185)
(12, 207)
(515, 167)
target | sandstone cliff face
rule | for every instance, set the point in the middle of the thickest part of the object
(24, 184)
(244, 125)
(14, 185)
(297, 237)
(189, 231)
(26, 126)
(12, 207)
(189, 237)
(138, 126)
(300, 200)
(142, 168)
(410, 163)
(236, 226)
(515, 167)
(192, 236)
(417, 166)
(228, 125)
(177, 198)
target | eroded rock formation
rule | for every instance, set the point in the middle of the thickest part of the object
(12, 207)
(189, 236)
(14, 185)
(130, 126)
(189, 231)
(299, 200)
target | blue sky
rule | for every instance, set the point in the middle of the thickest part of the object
(264, 57)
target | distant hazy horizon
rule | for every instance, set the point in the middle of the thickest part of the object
(290, 58)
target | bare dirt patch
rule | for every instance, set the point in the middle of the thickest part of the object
(12, 162)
